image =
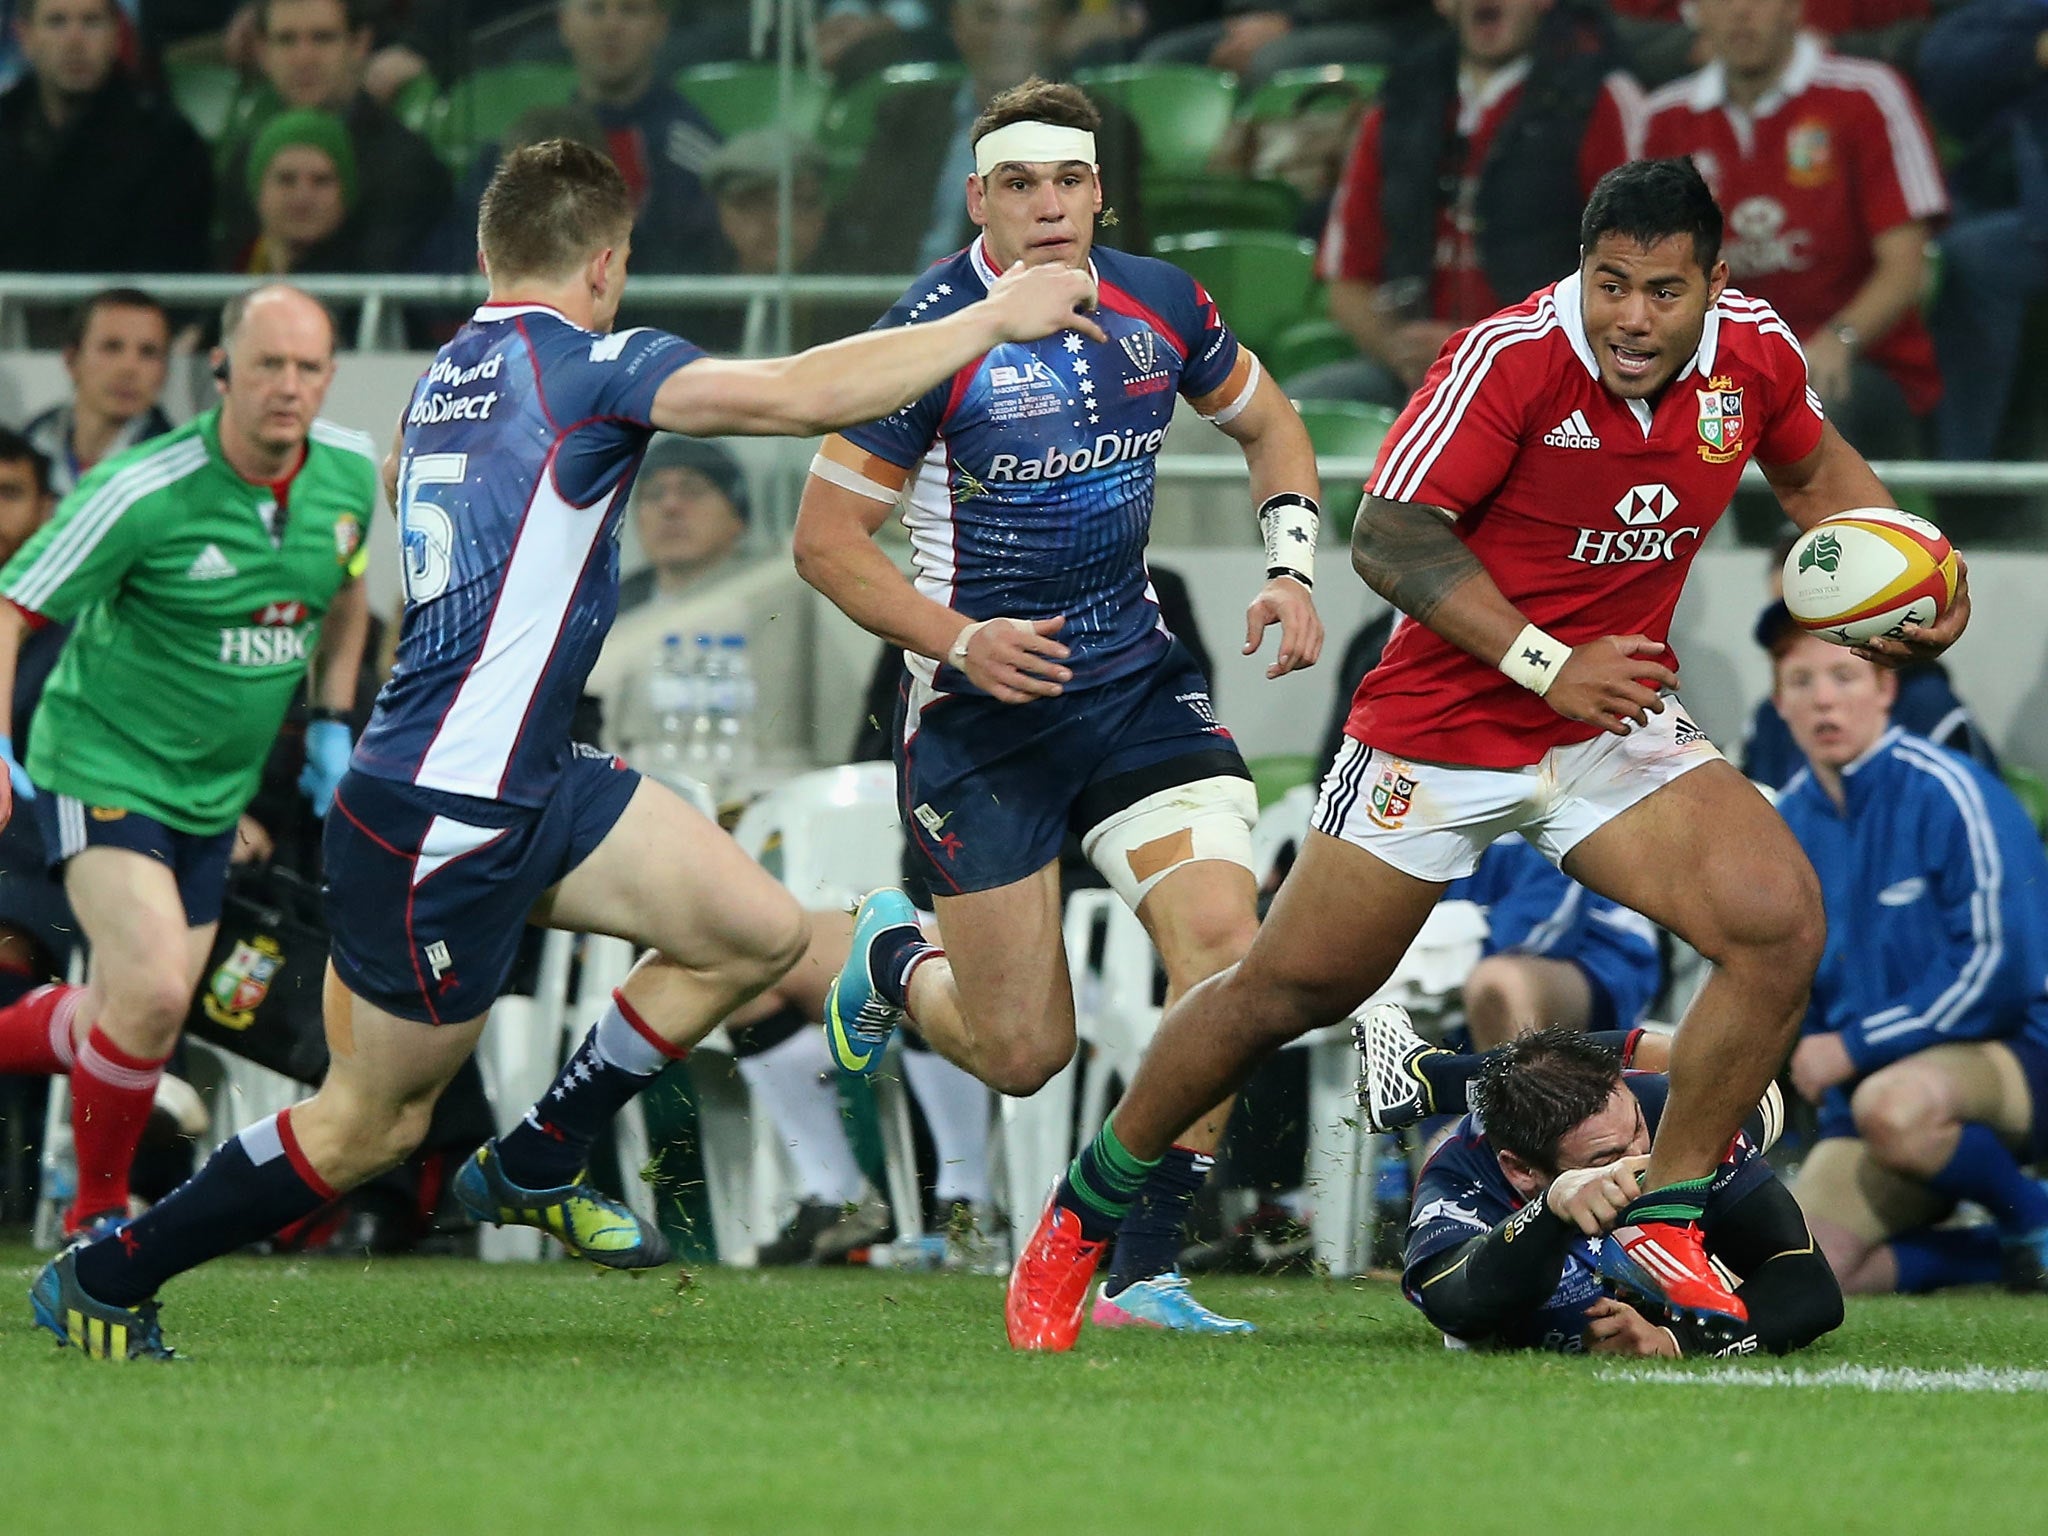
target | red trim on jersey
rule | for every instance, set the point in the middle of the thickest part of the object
(957, 390)
(1124, 303)
(533, 359)
(301, 1164)
(645, 1031)
(29, 616)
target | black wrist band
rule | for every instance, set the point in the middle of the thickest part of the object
(320, 712)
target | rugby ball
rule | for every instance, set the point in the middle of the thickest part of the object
(1858, 575)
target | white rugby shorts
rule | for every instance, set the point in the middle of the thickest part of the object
(1434, 820)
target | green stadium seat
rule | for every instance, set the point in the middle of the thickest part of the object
(1275, 775)
(1182, 205)
(1285, 88)
(1262, 280)
(213, 97)
(1307, 344)
(1350, 429)
(741, 97)
(2031, 790)
(1181, 110)
(414, 103)
(847, 126)
(477, 110)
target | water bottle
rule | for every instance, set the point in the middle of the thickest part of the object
(927, 1252)
(670, 702)
(1391, 1198)
(700, 754)
(736, 719)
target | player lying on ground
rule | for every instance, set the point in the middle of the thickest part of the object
(1926, 1047)
(205, 573)
(1045, 691)
(1530, 695)
(467, 812)
(1502, 1248)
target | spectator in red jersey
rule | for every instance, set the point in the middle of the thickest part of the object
(1830, 183)
(1463, 188)
(1661, 44)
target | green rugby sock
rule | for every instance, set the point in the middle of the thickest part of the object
(1103, 1184)
(1684, 1201)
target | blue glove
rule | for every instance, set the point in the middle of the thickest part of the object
(328, 745)
(16, 774)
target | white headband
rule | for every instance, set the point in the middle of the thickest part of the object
(1033, 144)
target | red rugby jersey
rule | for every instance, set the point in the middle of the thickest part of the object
(1832, 156)
(1585, 509)
(1354, 238)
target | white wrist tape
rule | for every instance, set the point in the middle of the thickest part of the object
(1290, 523)
(1534, 660)
(957, 655)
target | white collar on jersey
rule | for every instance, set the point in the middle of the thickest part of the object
(1571, 319)
(1474, 102)
(985, 267)
(488, 312)
(1710, 85)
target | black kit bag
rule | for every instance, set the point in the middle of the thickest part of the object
(260, 994)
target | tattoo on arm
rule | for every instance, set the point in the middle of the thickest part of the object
(1409, 555)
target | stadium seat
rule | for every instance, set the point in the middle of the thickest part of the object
(1276, 774)
(1183, 205)
(2031, 790)
(744, 96)
(847, 125)
(1349, 429)
(1307, 344)
(476, 111)
(1284, 89)
(1181, 110)
(1262, 280)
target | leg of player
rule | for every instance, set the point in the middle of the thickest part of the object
(1869, 1222)
(720, 930)
(382, 1079)
(1404, 1079)
(996, 1001)
(1339, 926)
(1705, 856)
(1508, 995)
(1950, 1118)
(146, 960)
(1202, 918)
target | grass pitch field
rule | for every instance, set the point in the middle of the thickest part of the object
(450, 1397)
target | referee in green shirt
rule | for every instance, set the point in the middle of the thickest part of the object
(204, 572)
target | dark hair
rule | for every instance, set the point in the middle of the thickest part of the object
(26, 10)
(548, 207)
(16, 449)
(355, 15)
(1532, 1091)
(1037, 101)
(110, 298)
(1651, 200)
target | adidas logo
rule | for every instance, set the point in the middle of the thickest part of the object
(1572, 432)
(211, 565)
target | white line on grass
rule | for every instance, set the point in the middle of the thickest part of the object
(1866, 1378)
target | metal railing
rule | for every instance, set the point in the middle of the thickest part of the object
(383, 295)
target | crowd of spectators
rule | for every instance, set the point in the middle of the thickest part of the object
(1881, 161)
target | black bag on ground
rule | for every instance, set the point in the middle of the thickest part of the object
(260, 994)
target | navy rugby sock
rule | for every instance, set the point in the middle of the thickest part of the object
(1984, 1171)
(620, 1056)
(1149, 1237)
(254, 1185)
(1932, 1260)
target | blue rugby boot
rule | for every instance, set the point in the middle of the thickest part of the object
(859, 1019)
(591, 1225)
(104, 1332)
(1163, 1301)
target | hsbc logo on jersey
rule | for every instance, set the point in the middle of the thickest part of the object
(260, 645)
(1643, 510)
(1644, 505)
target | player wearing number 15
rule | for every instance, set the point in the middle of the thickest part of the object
(1556, 472)
(204, 572)
(468, 812)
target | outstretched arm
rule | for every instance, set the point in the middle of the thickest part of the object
(844, 383)
(1282, 462)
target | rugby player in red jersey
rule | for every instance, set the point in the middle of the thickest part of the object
(1533, 513)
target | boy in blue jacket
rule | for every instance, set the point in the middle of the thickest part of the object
(1926, 1042)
